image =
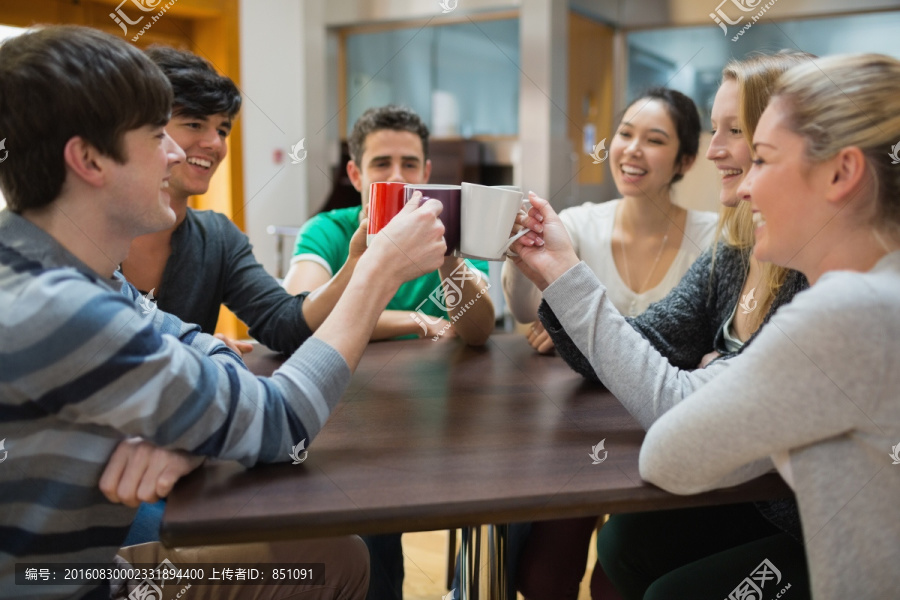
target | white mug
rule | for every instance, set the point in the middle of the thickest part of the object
(487, 215)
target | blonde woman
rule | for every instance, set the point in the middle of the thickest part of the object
(825, 193)
(643, 243)
(714, 311)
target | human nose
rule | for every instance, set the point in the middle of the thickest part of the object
(212, 140)
(396, 173)
(174, 152)
(633, 146)
(716, 147)
(743, 190)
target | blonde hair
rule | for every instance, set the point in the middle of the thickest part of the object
(850, 100)
(756, 78)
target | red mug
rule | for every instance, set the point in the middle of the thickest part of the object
(386, 199)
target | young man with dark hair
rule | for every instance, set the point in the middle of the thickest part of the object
(86, 363)
(390, 143)
(204, 260)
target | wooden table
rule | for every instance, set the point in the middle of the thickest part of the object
(434, 435)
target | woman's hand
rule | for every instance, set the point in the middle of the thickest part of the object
(539, 338)
(546, 252)
(708, 358)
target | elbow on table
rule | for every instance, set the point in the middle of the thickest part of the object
(672, 478)
(477, 340)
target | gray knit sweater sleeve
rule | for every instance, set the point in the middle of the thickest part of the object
(682, 326)
(629, 366)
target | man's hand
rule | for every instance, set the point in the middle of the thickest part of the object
(139, 472)
(241, 348)
(412, 244)
(546, 255)
(539, 338)
(358, 241)
(435, 329)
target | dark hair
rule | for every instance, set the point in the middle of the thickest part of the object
(61, 82)
(684, 114)
(396, 118)
(199, 90)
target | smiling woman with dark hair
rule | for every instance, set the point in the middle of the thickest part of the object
(643, 243)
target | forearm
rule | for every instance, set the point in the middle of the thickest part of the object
(396, 323)
(350, 326)
(522, 296)
(564, 345)
(473, 317)
(626, 363)
(320, 303)
(252, 418)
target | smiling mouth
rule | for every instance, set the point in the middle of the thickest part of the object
(730, 172)
(200, 162)
(758, 220)
(629, 170)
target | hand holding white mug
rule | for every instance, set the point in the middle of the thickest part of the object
(546, 252)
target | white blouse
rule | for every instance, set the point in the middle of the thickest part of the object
(591, 228)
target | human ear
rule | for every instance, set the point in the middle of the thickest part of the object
(355, 175)
(84, 161)
(845, 173)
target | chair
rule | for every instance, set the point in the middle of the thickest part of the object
(281, 232)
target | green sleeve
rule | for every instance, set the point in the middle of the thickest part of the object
(325, 239)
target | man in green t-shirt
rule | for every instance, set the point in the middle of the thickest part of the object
(391, 144)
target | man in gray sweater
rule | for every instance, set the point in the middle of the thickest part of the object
(86, 362)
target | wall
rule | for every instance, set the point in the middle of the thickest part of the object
(273, 71)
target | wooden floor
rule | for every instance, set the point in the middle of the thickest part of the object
(425, 565)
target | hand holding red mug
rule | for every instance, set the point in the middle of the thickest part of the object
(411, 244)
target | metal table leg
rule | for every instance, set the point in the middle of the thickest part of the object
(483, 558)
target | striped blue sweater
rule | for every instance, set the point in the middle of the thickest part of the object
(85, 362)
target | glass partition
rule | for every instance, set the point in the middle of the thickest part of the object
(462, 79)
(690, 59)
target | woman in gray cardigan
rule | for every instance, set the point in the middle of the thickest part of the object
(815, 394)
